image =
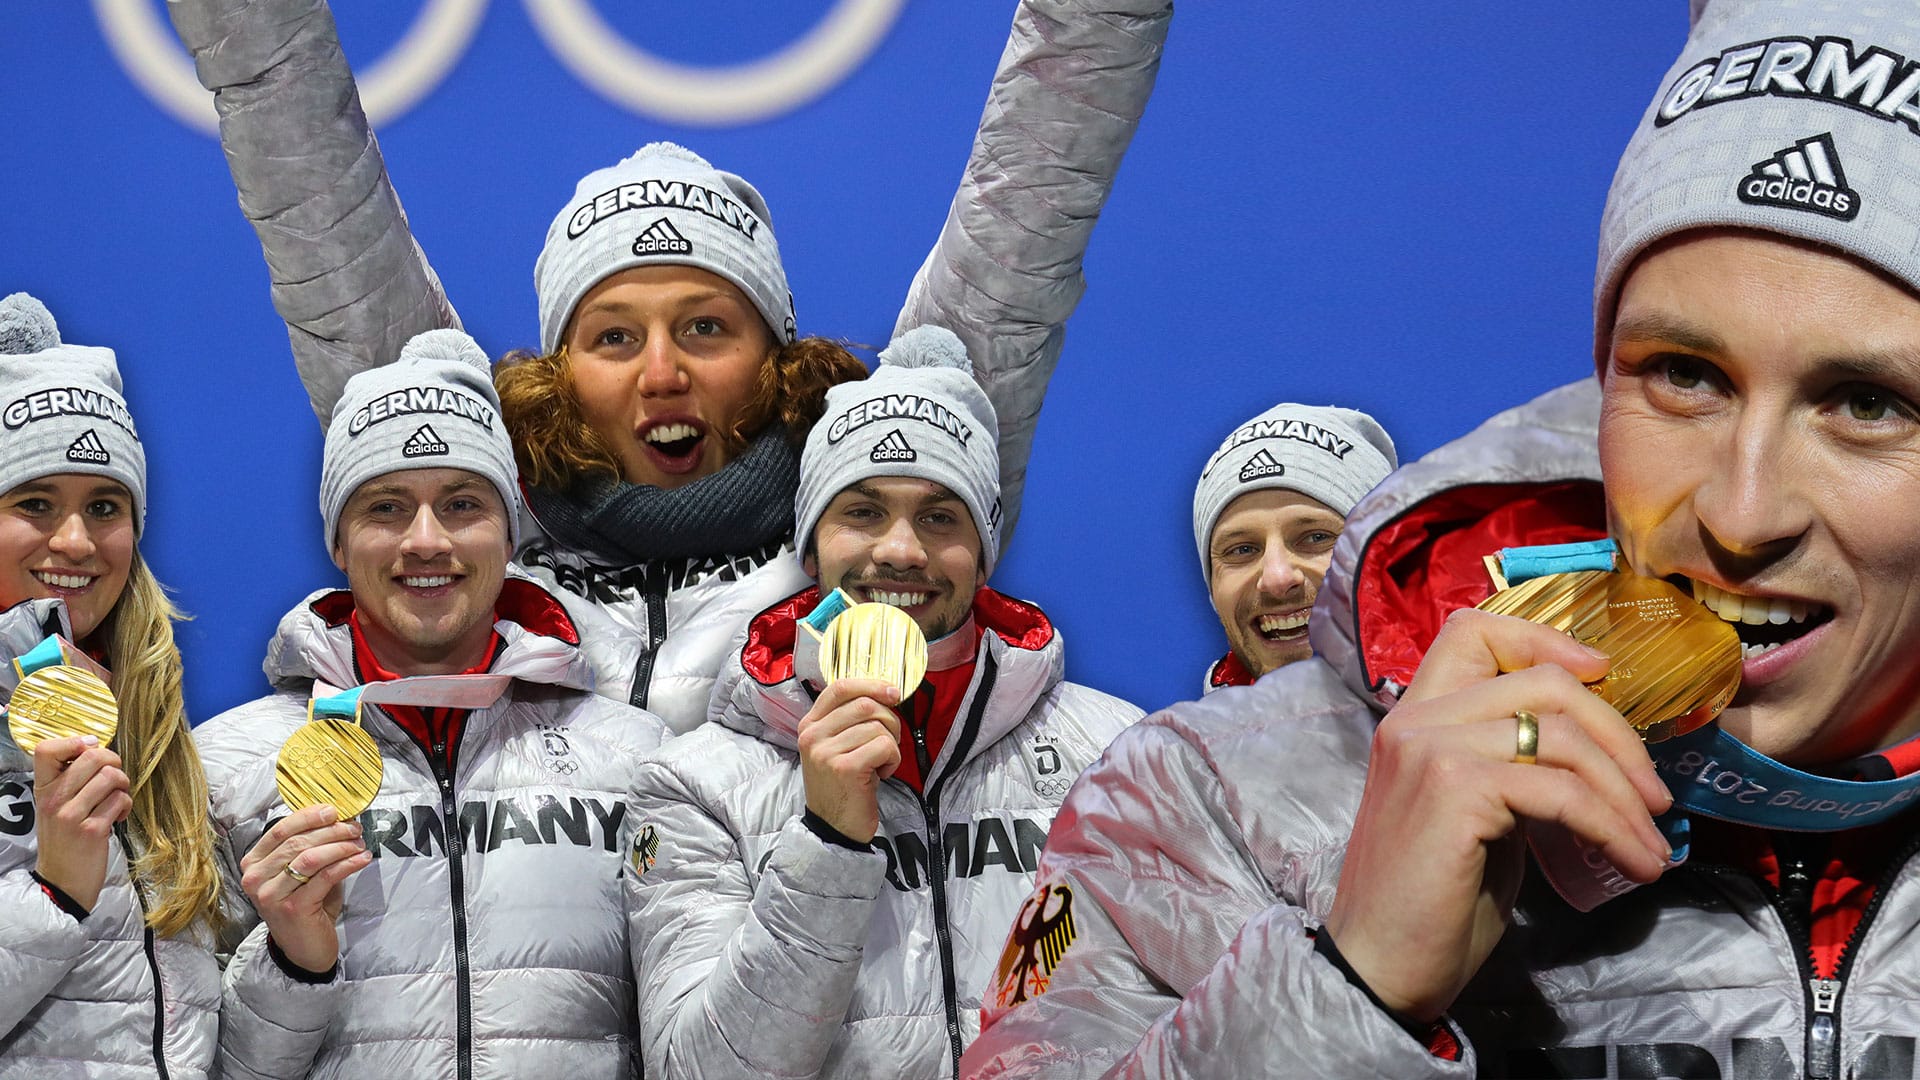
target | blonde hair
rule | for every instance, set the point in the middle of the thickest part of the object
(557, 449)
(174, 836)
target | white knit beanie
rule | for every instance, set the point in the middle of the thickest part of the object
(433, 408)
(61, 407)
(920, 414)
(1796, 117)
(1331, 455)
(663, 206)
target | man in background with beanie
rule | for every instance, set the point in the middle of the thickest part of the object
(1270, 503)
(822, 876)
(1498, 877)
(470, 922)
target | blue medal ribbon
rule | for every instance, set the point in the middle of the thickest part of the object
(341, 706)
(51, 652)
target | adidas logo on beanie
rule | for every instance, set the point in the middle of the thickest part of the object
(433, 408)
(920, 414)
(61, 408)
(1331, 455)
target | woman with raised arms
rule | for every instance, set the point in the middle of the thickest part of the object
(658, 425)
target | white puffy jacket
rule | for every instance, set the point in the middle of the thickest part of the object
(102, 996)
(1205, 846)
(487, 939)
(764, 950)
(354, 286)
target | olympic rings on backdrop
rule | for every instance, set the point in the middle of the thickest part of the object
(583, 42)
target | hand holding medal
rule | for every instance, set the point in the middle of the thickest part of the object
(871, 657)
(63, 715)
(328, 771)
(1458, 781)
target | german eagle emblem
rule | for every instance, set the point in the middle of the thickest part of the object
(1041, 933)
(646, 848)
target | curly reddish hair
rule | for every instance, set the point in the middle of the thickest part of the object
(557, 449)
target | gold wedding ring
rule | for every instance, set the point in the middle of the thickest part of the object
(297, 875)
(1526, 737)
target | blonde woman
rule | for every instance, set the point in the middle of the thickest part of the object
(109, 888)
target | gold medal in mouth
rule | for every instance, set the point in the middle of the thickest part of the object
(1676, 664)
(332, 761)
(60, 701)
(875, 641)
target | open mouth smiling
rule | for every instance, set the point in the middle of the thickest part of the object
(674, 442)
(1283, 626)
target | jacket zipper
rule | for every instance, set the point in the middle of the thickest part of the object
(653, 589)
(1822, 995)
(936, 847)
(153, 960)
(437, 759)
(1792, 902)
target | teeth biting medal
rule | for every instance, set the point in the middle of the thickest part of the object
(1675, 664)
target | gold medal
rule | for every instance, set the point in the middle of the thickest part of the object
(58, 701)
(331, 761)
(875, 641)
(1675, 663)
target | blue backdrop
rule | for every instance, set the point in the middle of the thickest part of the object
(1384, 205)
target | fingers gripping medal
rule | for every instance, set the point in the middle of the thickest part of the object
(56, 699)
(330, 759)
(875, 641)
(1676, 664)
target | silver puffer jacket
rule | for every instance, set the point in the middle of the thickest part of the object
(1196, 855)
(100, 997)
(764, 950)
(488, 937)
(354, 286)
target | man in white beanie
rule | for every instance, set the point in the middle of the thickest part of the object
(1498, 877)
(823, 874)
(470, 921)
(1269, 505)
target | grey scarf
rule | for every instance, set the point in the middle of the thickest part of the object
(746, 505)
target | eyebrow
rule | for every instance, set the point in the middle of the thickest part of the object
(1895, 365)
(1886, 366)
(622, 307)
(378, 490)
(43, 487)
(861, 489)
(1660, 326)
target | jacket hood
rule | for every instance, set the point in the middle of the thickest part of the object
(1411, 553)
(540, 643)
(760, 696)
